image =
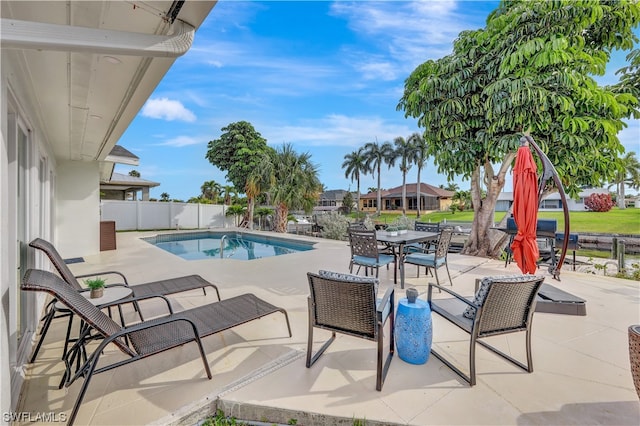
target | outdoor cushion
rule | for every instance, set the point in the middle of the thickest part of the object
(425, 259)
(483, 290)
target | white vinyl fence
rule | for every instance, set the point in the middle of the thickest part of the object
(146, 215)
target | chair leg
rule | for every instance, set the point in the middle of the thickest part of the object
(450, 281)
(311, 359)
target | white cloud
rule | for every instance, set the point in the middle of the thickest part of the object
(335, 130)
(181, 141)
(164, 108)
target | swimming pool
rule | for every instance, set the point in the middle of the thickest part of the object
(226, 245)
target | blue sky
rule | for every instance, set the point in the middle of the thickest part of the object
(323, 76)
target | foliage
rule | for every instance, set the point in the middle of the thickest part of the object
(134, 173)
(294, 183)
(334, 226)
(376, 154)
(628, 174)
(354, 165)
(221, 420)
(599, 202)
(210, 190)
(403, 222)
(529, 71)
(420, 156)
(164, 197)
(406, 153)
(347, 202)
(95, 283)
(235, 210)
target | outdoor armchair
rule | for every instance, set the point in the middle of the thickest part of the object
(347, 304)
(501, 305)
(161, 287)
(365, 252)
(145, 338)
(436, 259)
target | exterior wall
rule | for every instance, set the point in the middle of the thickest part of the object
(27, 170)
(551, 202)
(78, 209)
(145, 215)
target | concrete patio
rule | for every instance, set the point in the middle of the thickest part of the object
(581, 363)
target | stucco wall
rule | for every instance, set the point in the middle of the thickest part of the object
(78, 209)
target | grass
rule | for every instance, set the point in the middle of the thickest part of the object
(615, 221)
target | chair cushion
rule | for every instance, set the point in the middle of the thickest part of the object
(383, 259)
(424, 259)
(483, 290)
(350, 277)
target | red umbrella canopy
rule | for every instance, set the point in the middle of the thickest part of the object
(525, 211)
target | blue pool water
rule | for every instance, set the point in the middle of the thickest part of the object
(229, 245)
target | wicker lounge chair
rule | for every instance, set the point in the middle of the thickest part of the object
(162, 287)
(145, 338)
(343, 303)
(501, 305)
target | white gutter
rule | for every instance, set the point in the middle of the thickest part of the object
(15, 34)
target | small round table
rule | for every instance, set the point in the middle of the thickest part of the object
(413, 330)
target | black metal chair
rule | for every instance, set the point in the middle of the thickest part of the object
(365, 251)
(433, 260)
(347, 304)
(501, 305)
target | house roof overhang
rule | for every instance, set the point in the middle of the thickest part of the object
(89, 66)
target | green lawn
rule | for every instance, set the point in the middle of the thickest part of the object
(615, 221)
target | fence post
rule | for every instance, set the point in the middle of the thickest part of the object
(614, 248)
(621, 250)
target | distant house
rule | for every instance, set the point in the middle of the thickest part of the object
(332, 200)
(125, 187)
(431, 198)
(553, 202)
(116, 186)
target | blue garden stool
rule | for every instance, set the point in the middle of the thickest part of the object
(414, 331)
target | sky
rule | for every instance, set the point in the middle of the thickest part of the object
(324, 76)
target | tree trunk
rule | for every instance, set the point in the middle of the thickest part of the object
(404, 193)
(247, 220)
(281, 218)
(621, 203)
(419, 198)
(483, 241)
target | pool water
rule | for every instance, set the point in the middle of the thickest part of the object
(230, 245)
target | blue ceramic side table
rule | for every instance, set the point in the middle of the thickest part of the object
(414, 331)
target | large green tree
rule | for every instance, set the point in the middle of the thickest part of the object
(294, 184)
(238, 151)
(376, 154)
(354, 166)
(529, 71)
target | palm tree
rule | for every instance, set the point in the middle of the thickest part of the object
(257, 182)
(376, 154)
(210, 190)
(628, 175)
(420, 156)
(355, 164)
(230, 192)
(164, 197)
(294, 184)
(404, 152)
(134, 173)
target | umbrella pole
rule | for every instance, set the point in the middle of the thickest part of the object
(549, 172)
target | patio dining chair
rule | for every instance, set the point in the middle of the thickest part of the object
(501, 305)
(433, 260)
(56, 310)
(347, 304)
(423, 247)
(365, 251)
(145, 338)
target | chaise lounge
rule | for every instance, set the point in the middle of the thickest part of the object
(163, 287)
(145, 338)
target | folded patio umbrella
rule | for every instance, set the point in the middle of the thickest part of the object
(525, 211)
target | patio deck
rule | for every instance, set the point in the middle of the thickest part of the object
(581, 363)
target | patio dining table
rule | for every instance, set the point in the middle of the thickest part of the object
(401, 240)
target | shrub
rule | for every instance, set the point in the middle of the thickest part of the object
(334, 226)
(599, 202)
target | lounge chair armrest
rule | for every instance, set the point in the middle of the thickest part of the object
(94, 274)
(136, 299)
(451, 292)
